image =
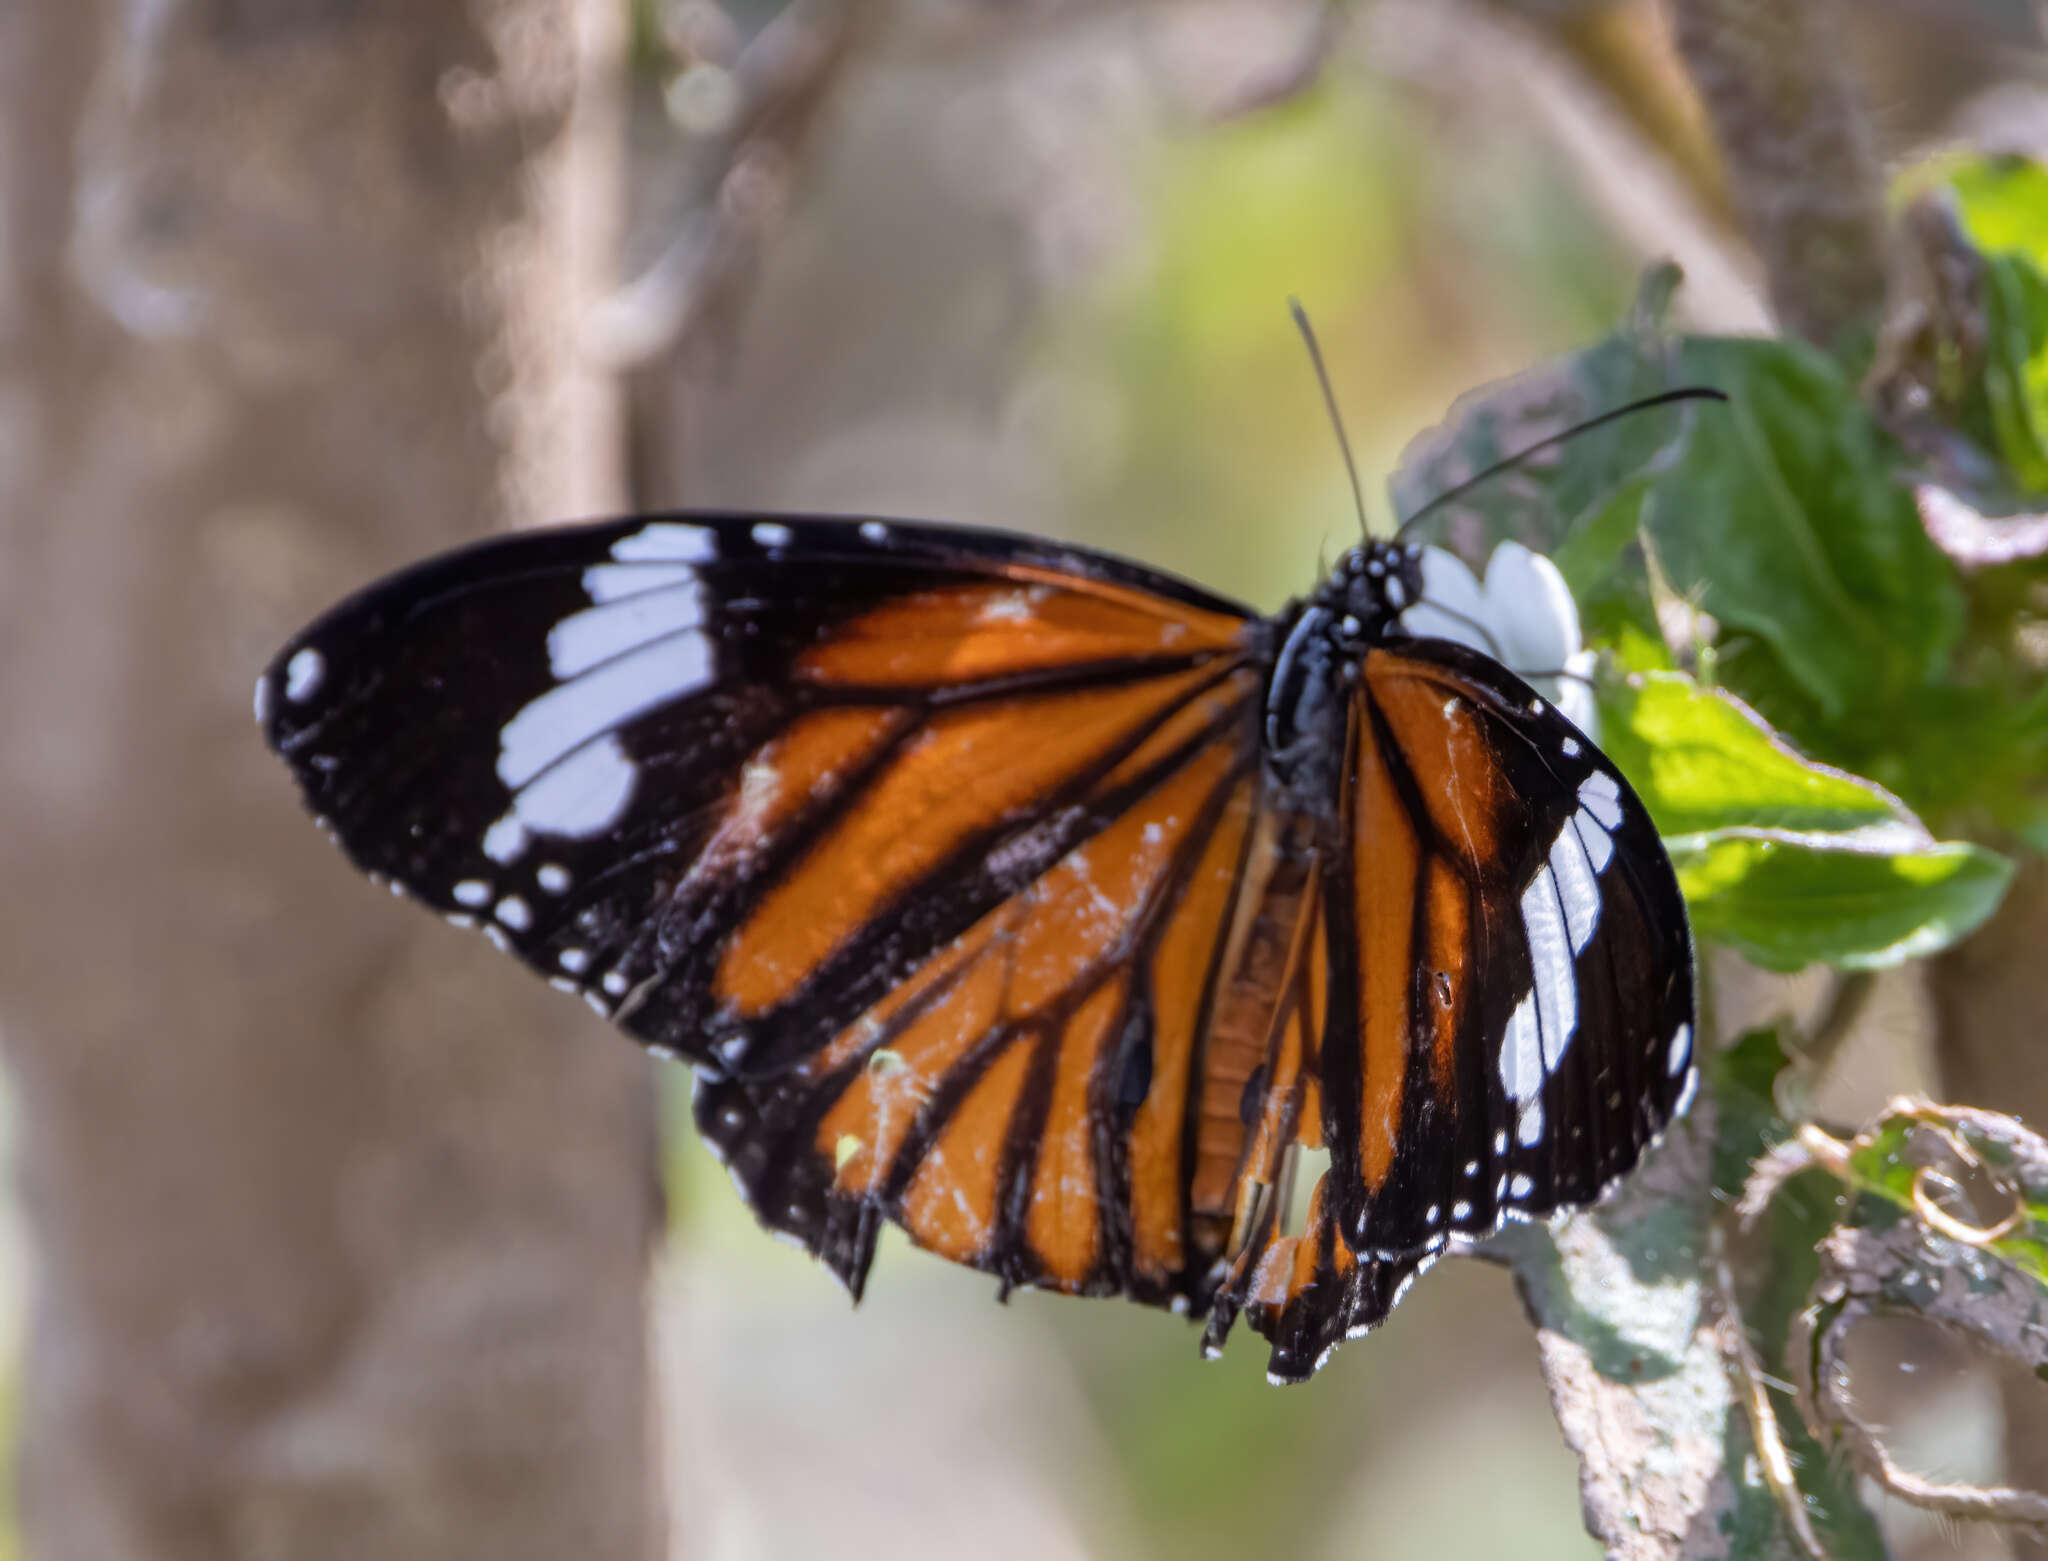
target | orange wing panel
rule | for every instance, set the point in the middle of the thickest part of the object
(969, 771)
(997, 628)
(951, 1204)
(1064, 1222)
(1180, 967)
(1446, 751)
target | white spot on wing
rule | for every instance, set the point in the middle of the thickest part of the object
(302, 675)
(770, 534)
(1461, 1210)
(263, 700)
(667, 539)
(1521, 1186)
(569, 715)
(1571, 747)
(515, 913)
(612, 582)
(1599, 796)
(1550, 962)
(472, 891)
(1521, 1054)
(505, 840)
(1598, 843)
(575, 961)
(599, 634)
(874, 531)
(1529, 1125)
(1576, 890)
(553, 877)
(581, 796)
(1681, 1050)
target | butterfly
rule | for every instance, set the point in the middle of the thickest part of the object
(1047, 906)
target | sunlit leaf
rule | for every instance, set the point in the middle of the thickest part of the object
(1702, 760)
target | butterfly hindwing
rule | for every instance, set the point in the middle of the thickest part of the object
(1518, 1025)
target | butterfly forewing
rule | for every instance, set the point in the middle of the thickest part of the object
(628, 750)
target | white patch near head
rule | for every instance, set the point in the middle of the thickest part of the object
(302, 674)
(1681, 1050)
(514, 913)
(1397, 593)
(1520, 1186)
(473, 892)
(1571, 747)
(553, 877)
(770, 534)
(667, 539)
(874, 531)
(1601, 797)
(603, 633)
(575, 961)
(569, 715)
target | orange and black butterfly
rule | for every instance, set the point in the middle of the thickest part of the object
(1040, 903)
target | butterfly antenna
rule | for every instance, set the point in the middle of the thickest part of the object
(1315, 355)
(1508, 463)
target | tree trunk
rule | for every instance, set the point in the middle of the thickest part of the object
(341, 1230)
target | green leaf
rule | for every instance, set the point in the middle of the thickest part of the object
(2015, 382)
(1783, 521)
(1580, 501)
(2003, 201)
(1859, 901)
(1701, 760)
(1790, 862)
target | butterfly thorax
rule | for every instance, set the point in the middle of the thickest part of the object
(1321, 647)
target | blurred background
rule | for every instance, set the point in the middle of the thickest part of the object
(331, 1235)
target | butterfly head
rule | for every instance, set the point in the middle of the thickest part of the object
(1374, 584)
